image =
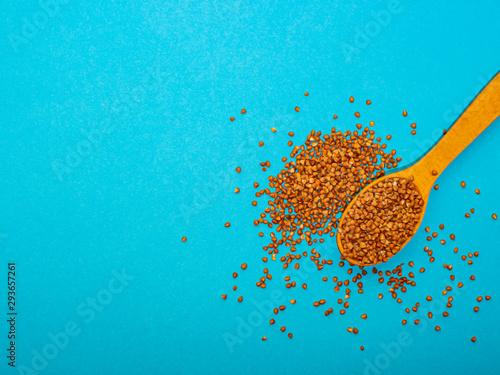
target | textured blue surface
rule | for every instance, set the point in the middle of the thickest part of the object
(155, 83)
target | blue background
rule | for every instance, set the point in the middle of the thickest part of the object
(157, 82)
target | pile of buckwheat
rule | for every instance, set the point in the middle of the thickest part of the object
(307, 198)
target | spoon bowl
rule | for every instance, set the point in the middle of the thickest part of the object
(407, 174)
(481, 113)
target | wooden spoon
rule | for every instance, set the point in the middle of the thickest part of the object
(483, 110)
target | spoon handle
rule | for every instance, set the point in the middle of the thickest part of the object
(483, 110)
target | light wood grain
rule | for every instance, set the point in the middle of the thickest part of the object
(480, 114)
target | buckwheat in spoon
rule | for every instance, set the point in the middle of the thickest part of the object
(385, 215)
